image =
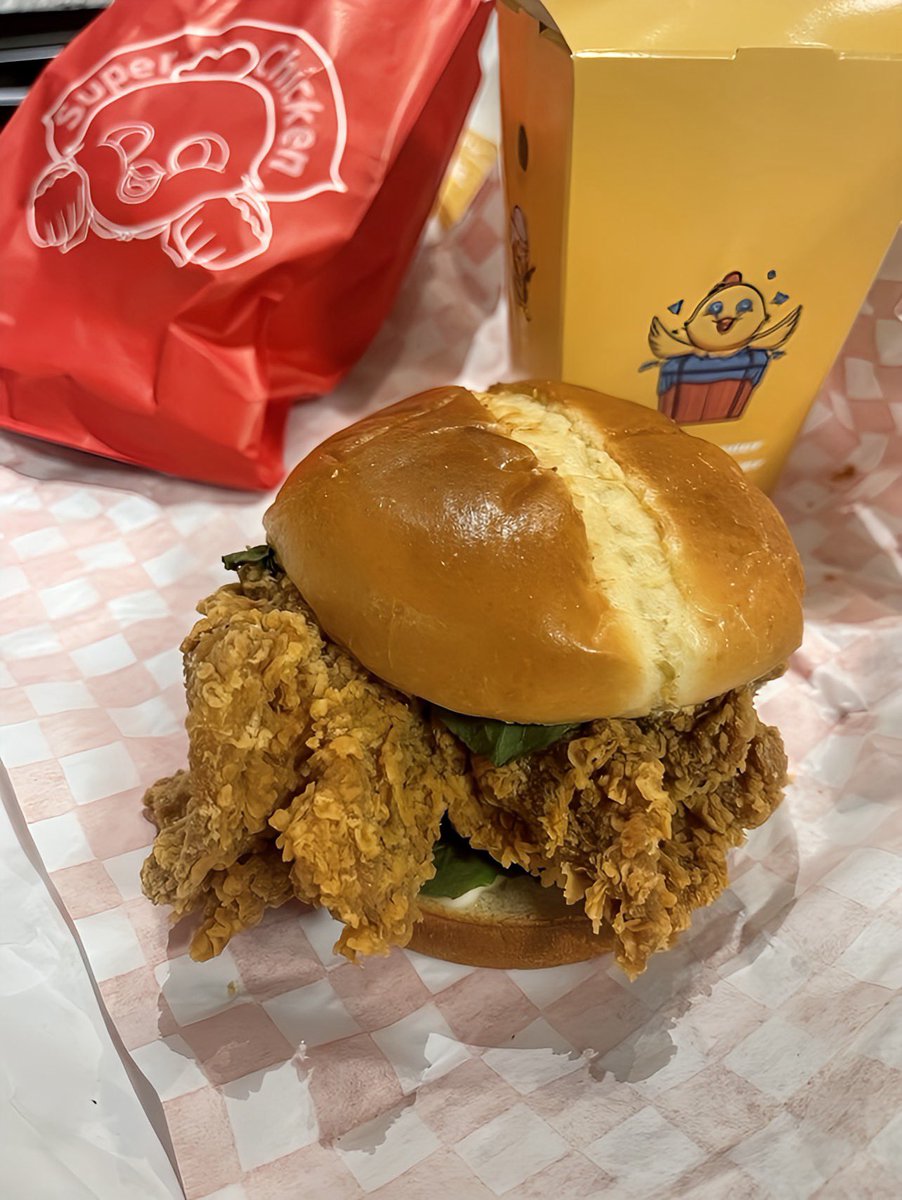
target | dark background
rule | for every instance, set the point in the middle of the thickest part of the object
(32, 32)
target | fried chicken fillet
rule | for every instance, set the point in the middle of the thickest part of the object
(309, 777)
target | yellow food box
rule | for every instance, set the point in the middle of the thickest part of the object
(699, 195)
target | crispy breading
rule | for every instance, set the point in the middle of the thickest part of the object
(309, 777)
(360, 834)
(633, 818)
(294, 748)
(248, 666)
(237, 898)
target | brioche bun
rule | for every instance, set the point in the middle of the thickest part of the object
(539, 553)
(514, 924)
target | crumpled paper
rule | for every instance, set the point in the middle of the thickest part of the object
(76, 1117)
(760, 1057)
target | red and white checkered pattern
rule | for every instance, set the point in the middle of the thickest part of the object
(762, 1057)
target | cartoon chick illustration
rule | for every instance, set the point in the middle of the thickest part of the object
(711, 366)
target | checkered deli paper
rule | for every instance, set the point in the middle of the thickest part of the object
(762, 1057)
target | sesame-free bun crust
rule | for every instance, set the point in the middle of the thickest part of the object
(539, 553)
(516, 925)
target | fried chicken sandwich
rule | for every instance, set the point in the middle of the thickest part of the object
(488, 689)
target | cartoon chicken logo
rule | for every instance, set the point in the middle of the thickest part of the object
(711, 365)
(191, 139)
(523, 270)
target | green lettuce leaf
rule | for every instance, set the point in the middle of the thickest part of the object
(264, 555)
(457, 874)
(501, 741)
(459, 868)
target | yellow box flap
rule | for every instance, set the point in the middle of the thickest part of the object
(720, 27)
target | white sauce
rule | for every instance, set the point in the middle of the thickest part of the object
(470, 897)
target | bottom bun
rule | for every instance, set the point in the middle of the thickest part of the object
(514, 924)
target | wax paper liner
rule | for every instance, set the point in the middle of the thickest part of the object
(761, 1057)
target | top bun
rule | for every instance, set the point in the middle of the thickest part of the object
(539, 553)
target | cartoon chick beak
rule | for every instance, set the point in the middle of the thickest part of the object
(140, 180)
(725, 324)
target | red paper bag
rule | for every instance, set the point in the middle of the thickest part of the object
(206, 209)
